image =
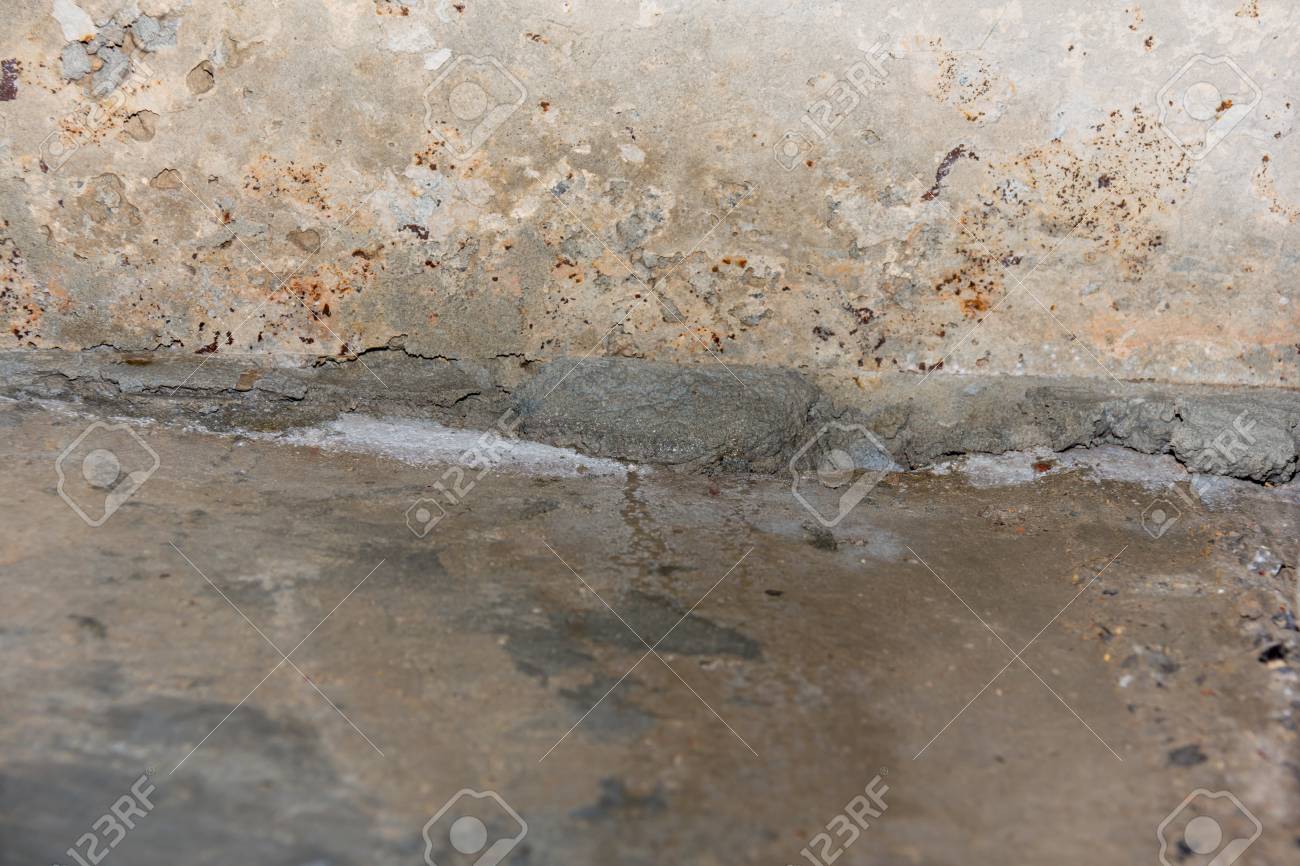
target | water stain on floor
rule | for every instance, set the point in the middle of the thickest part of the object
(1033, 675)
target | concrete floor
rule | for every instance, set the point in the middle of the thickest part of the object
(808, 663)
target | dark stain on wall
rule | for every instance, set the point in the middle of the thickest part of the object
(9, 79)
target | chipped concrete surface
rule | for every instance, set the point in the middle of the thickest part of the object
(1003, 163)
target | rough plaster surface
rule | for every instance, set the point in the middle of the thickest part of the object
(296, 178)
(692, 417)
(659, 413)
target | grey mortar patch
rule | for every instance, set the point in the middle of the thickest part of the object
(76, 62)
(652, 412)
(921, 423)
(110, 34)
(150, 34)
(177, 387)
(693, 418)
(111, 75)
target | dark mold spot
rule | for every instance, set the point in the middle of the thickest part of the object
(9, 70)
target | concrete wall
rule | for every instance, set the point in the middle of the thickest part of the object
(850, 188)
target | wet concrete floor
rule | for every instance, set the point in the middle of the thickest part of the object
(794, 667)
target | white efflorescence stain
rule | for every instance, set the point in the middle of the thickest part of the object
(425, 443)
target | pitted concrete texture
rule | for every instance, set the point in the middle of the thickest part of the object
(844, 188)
(465, 655)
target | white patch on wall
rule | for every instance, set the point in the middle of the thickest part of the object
(76, 24)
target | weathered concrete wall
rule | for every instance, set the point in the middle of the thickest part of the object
(475, 179)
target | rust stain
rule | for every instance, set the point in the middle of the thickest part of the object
(945, 166)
